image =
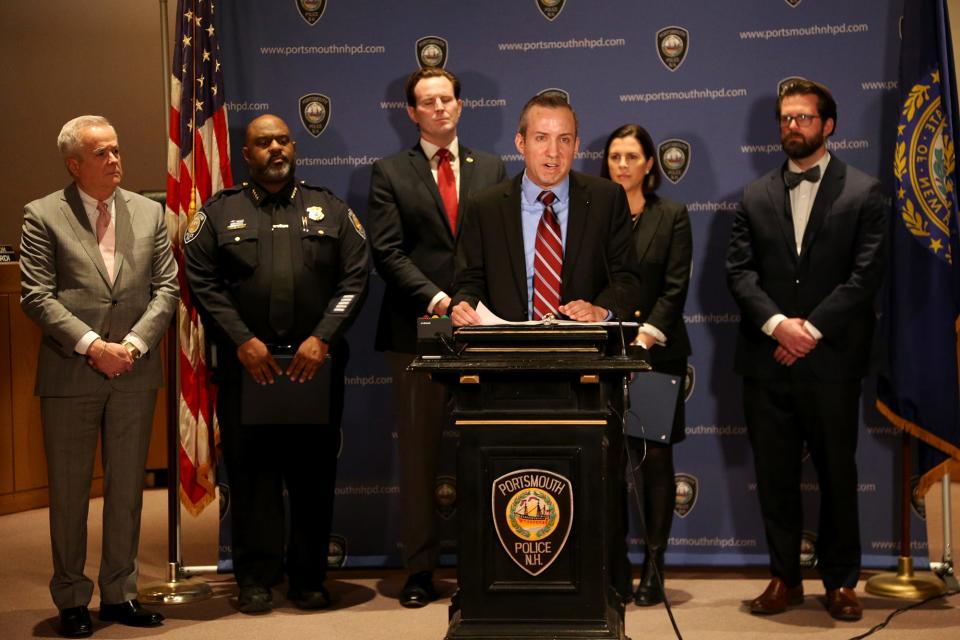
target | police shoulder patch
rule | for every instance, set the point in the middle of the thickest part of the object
(356, 224)
(194, 226)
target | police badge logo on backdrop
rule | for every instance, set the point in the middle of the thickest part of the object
(532, 512)
(446, 496)
(315, 113)
(674, 157)
(672, 46)
(550, 8)
(337, 551)
(432, 52)
(793, 3)
(554, 91)
(689, 381)
(687, 490)
(808, 549)
(311, 10)
(786, 81)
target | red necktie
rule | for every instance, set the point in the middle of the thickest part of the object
(106, 237)
(547, 261)
(447, 184)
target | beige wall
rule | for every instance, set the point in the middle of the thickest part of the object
(63, 58)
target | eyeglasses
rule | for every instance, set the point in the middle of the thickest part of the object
(803, 120)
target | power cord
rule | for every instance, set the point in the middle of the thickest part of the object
(897, 612)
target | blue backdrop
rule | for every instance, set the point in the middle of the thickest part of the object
(700, 75)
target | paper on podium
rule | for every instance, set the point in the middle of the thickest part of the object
(489, 318)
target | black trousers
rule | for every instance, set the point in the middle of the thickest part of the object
(262, 461)
(781, 416)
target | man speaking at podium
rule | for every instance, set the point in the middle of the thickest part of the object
(549, 242)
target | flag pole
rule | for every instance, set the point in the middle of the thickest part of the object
(176, 589)
(905, 584)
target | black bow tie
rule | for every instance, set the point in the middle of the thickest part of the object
(793, 178)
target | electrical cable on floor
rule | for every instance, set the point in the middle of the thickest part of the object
(897, 612)
(639, 504)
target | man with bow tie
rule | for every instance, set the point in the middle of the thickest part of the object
(806, 258)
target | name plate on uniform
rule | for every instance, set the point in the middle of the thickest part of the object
(286, 401)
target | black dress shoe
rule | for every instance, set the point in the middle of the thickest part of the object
(309, 598)
(75, 622)
(418, 591)
(131, 614)
(255, 599)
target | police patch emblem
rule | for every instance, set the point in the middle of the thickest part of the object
(672, 46)
(432, 51)
(315, 113)
(793, 3)
(315, 213)
(686, 494)
(336, 551)
(550, 8)
(674, 157)
(553, 91)
(311, 10)
(356, 223)
(689, 381)
(446, 496)
(924, 163)
(194, 226)
(532, 513)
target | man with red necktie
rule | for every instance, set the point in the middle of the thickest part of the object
(414, 215)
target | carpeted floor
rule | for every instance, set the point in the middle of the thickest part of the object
(707, 605)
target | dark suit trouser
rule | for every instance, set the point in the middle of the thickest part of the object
(422, 413)
(261, 461)
(781, 415)
(71, 427)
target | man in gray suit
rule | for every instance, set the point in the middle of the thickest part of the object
(98, 277)
(415, 196)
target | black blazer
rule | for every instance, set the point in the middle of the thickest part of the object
(832, 283)
(410, 236)
(490, 254)
(664, 245)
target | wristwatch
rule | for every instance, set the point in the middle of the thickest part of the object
(131, 349)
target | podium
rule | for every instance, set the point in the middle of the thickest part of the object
(540, 476)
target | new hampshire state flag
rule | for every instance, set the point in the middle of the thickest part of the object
(918, 391)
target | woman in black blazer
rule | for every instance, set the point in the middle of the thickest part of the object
(664, 246)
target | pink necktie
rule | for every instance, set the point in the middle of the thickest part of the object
(447, 184)
(106, 237)
(547, 261)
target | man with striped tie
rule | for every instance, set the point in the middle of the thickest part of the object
(551, 241)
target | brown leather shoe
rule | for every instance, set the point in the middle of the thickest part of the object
(776, 598)
(843, 604)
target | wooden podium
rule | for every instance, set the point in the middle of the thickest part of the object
(540, 467)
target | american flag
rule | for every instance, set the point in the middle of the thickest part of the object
(198, 165)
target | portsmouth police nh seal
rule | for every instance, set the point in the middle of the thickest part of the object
(674, 158)
(311, 10)
(554, 91)
(315, 113)
(672, 46)
(432, 51)
(532, 511)
(924, 162)
(550, 8)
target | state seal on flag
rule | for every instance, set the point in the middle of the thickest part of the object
(923, 162)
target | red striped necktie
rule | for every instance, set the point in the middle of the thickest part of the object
(547, 261)
(447, 184)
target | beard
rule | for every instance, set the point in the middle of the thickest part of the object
(798, 147)
(274, 173)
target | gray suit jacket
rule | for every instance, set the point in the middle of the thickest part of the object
(66, 290)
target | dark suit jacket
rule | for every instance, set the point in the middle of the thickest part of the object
(831, 283)
(410, 235)
(65, 288)
(664, 246)
(490, 263)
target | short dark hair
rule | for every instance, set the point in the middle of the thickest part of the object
(652, 182)
(547, 100)
(428, 72)
(826, 105)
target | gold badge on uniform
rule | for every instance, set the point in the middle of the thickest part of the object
(315, 213)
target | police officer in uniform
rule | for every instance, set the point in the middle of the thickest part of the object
(276, 265)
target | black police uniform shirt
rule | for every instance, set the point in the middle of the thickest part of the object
(228, 250)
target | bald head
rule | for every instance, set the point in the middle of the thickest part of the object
(270, 152)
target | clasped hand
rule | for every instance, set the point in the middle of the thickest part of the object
(256, 358)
